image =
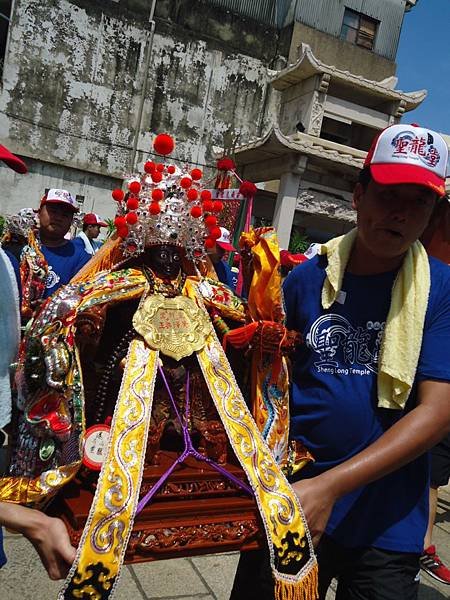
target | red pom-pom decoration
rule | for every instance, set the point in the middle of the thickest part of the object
(196, 212)
(120, 222)
(185, 182)
(196, 174)
(205, 195)
(211, 221)
(154, 208)
(149, 166)
(210, 243)
(131, 218)
(208, 206)
(132, 203)
(160, 167)
(157, 194)
(192, 194)
(123, 231)
(171, 169)
(134, 187)
(225, 164)
(118, 195)
(156, 177)
(217, 206)
(215, 233)
(248, 189)
(163, 144)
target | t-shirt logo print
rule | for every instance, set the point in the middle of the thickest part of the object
(339, 344)
(52, 277)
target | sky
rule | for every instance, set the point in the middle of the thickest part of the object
(423, 62)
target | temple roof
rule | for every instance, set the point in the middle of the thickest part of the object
(308, 65)
(261, 154)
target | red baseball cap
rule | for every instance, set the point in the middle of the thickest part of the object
(409, 154)
(13, 161)
(287, 259)
(94, 219)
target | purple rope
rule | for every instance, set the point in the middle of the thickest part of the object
(189, 449)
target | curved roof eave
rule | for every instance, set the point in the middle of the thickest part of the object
(275, 144)
(308, 65)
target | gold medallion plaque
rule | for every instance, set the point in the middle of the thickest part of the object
(177, 327)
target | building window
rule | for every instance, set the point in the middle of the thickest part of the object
(5, 12)
(359, 29)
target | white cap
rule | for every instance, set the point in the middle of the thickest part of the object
(56, 196)
(225, 240)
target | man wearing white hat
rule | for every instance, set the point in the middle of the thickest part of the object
(370, 390)
(87, 238)
(64, 258)
(48, 260)
(222, 268)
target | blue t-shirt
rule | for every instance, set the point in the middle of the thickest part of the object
(224, 273)
(2, 552)
(334, 408)
(63, 263)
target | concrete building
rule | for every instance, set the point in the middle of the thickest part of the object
(337, 91)
(85, 85)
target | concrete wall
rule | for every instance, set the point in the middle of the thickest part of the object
(75, 75)
(343, 55)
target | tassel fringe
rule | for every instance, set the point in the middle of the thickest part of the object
(305, 589)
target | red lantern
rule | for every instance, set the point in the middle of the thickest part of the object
(196, 174)
(196, 212)
(248, 189)
(156, 177)
(208, 206)
(131, 218)
(120, 222)
(157, 194)
(149, 166)
(160, 167)
(209, 243)
(134, 187)
(205, 195)
(163, 144)
(171, 169)
(225, 164)
(192, 194)
(118, 195)
(185, 182)
(217, 206)
(154, 208)
(132, 203)
(123, 231)
(215, 233)
(211, 221)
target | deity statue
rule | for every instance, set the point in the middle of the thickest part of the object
(124, 386)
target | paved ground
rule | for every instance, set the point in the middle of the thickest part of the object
(207, 577)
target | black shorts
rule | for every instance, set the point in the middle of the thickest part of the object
(362, 574)
(440, 463)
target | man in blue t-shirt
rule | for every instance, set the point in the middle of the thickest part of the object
(365, 497)
(221, 267)
(64, 258)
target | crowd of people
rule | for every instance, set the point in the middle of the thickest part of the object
(364, 321)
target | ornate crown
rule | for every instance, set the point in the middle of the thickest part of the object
(166, 205)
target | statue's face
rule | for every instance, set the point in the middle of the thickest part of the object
(164, 260)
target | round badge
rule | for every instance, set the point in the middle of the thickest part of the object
(95, 446)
